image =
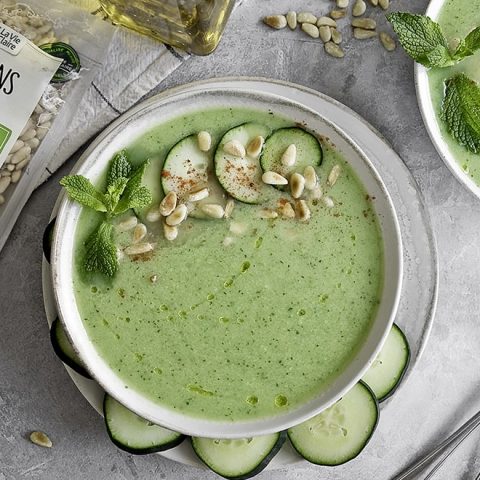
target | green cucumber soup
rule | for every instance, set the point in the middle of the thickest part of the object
(242, 317)
(457, 18)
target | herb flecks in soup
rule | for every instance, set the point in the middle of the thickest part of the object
(248, 310)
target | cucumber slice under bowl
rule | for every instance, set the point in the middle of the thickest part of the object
(388, 369)
(47, 240)
(134, 434)
(241, 177)
(309, 151)
(64, 350)
(238, 459)
(341, 432)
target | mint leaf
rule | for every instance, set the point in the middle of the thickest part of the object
(135, 196)
(461, 111)
(138, 198)
(120, 167)
(469, 45)
(440, 57)
(101, 255)
(81, 189)
(114, 192)
(418, 34)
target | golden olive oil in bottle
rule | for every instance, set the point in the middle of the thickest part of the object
(192, 25)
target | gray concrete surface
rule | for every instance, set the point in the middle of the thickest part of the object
(36, 392)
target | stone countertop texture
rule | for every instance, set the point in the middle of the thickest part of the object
(443, 391)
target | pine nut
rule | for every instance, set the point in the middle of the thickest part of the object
(336, 36)
(139, 249)
(359, 8)
(153, 215)
(287, 210)
(317, 193)
(254, 148)
(168, 204)
(311, 30)
(289, 156)
(333, 175)
(297, 185)
(16, 176)
(4, 183)
(362, 34)
(325, 33)
(334, 50)
(306, 17)
(177, 216)
(41, 439)
(329, 22)
(337, 14)
(170, 232)
(384, 4)
(302, 210)
(365, 23)
(213, 210)
(235, 148)
(275, 21)
(292, 20)
(388, 42)
(204, 141)
(274, 178)
(17, 146)
(139, 233)
(328, 201)
(266, 213)
(310, 176)
(127, 224)
(230, 205)
(342, 3)
(198, 195)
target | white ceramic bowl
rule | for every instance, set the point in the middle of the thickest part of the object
(121, 135)
(427, 110)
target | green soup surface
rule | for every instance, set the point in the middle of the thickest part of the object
(242, 329)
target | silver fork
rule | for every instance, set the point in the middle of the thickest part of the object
(447, 447)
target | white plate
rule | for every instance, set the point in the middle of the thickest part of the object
(419, 290)
(427, 110)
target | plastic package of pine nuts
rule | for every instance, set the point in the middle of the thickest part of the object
(50, 51)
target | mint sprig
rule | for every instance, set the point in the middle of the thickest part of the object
(124, 190)
(424, 41)
(461, 111)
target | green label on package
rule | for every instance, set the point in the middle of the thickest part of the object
(25, 72)
(5, 134)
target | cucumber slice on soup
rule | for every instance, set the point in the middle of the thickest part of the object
(133, 433)
(308, 151)
(341, 432)
(241, 176)
(387, 370)
(188, 169)
(238, 459)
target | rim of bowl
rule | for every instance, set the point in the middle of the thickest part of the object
(190, 425)
(425, 103)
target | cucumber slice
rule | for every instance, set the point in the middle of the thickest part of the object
(241, 458)
(134, 434)
(241, 177)
(309, 151)
(48, 239)
(64, 350)
(340, 433)
(388, 369)
(188, 169)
